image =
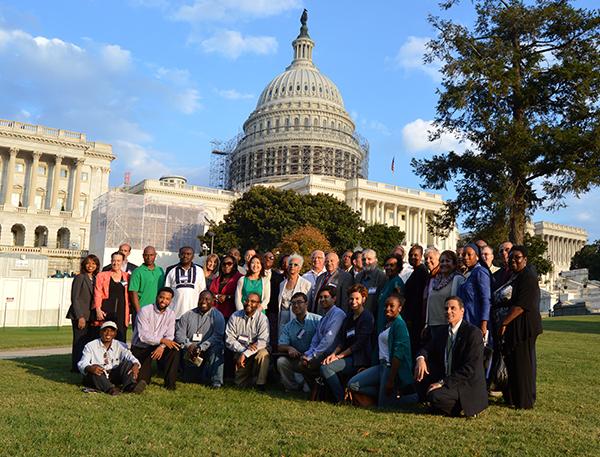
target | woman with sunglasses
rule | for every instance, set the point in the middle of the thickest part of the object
(223, 286)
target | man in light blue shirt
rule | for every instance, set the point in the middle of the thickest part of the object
(201, 332)
(326, 337)
(107, 362)
(295, 339)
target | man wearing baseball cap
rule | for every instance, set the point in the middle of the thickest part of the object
(107, 362)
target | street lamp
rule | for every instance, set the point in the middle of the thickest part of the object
(212, 240)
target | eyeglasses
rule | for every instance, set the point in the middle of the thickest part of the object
(294, 264)
(297, 302)
(270, 257)
(227, 264)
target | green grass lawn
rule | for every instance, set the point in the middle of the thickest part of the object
(45, 414)
(30, 337)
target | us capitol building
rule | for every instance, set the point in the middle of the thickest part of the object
(299, 137)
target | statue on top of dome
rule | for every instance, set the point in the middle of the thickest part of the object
(303, 20)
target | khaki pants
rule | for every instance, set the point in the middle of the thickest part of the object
(288, 368)
(257, 366)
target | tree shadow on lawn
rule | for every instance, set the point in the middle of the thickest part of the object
(52, 367)
(572, 326)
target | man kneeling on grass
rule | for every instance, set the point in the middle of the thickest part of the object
(106, 362)
(247, 336)
(153, 339)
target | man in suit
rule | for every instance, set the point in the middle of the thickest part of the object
(333, 276)
(450, 366)
(413, 311)
(125, 249)
(275, 279)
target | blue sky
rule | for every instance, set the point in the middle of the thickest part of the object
(161, 79)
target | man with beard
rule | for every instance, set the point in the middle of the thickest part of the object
(372, 278)
(154, 339)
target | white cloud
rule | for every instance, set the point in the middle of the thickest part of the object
(232, 94)
(415, 137)
(141, 161)
(115, 58)
(232, 10)
(182, 95)
(95, 88)
(410, 57)
(232, 44)
(380, 127)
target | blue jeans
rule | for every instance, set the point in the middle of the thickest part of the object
(330, 374)
(372, 382)
(211, 370)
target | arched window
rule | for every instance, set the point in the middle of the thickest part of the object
(18, 234)
(63, 238)
(41, 236)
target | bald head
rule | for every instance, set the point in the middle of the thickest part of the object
(149, 255)
(332, 262)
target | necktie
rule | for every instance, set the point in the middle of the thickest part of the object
(449, 347)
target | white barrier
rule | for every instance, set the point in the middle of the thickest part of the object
(27, 302)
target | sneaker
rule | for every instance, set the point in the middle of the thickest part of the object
(139, 387)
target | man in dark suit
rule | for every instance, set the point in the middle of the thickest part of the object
(450, 366)
(125, 249)
(275, 279)
(333, 276)
(413, 311)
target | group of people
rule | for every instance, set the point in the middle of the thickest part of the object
(435, 328)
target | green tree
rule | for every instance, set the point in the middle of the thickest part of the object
(522, 88)
(381, 238)
(588, 257)
(263, 216)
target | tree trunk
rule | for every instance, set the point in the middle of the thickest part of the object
(517, 217)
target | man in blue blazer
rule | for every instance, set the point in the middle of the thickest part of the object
(450, 366)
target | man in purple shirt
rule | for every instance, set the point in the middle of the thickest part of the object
(153, 339)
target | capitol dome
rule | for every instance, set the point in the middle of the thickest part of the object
(299, 127)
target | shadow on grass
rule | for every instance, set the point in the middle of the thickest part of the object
(575, 325)
(53, 367)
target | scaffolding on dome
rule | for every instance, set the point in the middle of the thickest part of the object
(141, 220)
(220, 160)
(363, 143)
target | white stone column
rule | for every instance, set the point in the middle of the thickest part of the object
(408, 227)
(395, 215)
(10, 173)
(33, 178)
(55, 181)
(420, 227)
(105, 173)
(76, 187)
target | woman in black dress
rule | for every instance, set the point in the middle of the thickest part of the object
(520, 329)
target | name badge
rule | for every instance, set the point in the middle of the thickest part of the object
(372, 290)
(123, 283)
(350, 333)
(197, 337)
(243, 339)
(300, 334)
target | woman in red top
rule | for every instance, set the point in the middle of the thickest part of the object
(111, 301)
(224, 285)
